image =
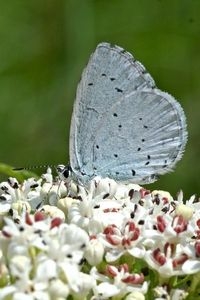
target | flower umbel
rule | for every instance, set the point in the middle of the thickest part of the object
(103, 241)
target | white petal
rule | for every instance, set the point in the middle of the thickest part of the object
(106, 290)
(191, 266)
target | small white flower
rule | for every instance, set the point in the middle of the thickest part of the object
(65, 203)
(83, 285)
(167, 261)
(21, 206)
(46, 269)
(94, 252)
(105, 187)
(52, 211)
(61, 249)
(8, 291)
(118, 281)
(106, 290)
(20, 266)
(177, 294)
(161, 293)
(58, 289)
(123, 240)
(48, 177)
(162, 195)
(185, 211)
(135, 296)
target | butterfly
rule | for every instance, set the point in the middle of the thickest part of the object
(123, 127)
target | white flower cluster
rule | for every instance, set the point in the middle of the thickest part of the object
(63, 241)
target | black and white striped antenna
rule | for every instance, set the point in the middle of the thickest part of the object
(34, 167)
(64, 171)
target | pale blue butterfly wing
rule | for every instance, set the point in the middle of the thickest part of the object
(122, 126)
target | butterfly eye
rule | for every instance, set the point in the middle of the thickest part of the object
(64, 172)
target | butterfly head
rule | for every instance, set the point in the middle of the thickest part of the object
(64, 172)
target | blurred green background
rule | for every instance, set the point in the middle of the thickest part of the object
(44, 46)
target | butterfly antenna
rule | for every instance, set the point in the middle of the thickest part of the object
(33, 167)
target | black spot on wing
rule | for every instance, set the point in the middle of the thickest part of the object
(133, 172)
(119, 90)
(165, 163)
